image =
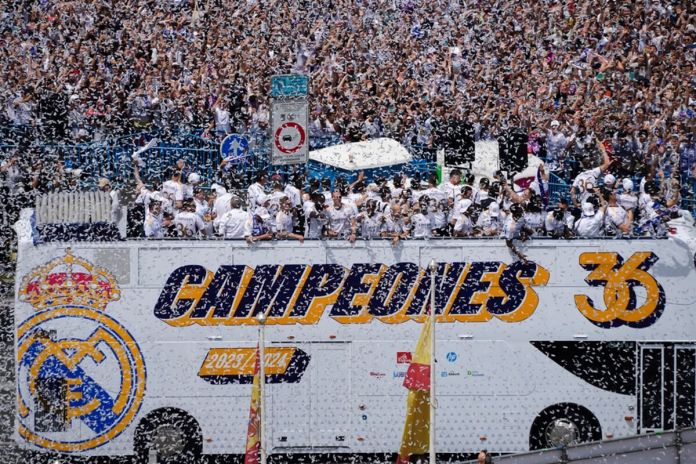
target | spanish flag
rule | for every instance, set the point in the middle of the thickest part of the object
(416, 435)
(253, 444)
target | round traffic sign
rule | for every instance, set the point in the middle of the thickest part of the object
(289, 137)
(234, 146)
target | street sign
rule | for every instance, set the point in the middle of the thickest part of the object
(289, 85)
(289, 132)
(234, 147)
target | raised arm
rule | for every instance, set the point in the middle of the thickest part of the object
(606, 162)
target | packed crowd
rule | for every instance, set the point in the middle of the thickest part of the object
(82, 70)
(566, 72)
(402, 207)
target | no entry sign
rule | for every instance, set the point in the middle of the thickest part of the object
(289, 132)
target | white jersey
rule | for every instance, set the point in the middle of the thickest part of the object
(627, 200)
(222, 204)
(646, 208)
(370, 226)
(584, 180)
(463, 224)
(153, 226)
(450, 190)
(174, 189)
(614, 217)
(202, 207)
(236, 223)
(590, 226)
(313, 225)
(535, 221)
(420, 225)
(512, 228)
(555, 227)
(254, 192)
(293, 194)
(340, 219)
(188, 224)
(284, 222)
(392, 225)
(488, 224)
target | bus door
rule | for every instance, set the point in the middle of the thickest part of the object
(666, 386)
(314, 412)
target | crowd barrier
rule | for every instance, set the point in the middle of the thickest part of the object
(111, 158)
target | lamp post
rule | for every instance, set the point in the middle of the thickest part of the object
(433, 270)
(261, 318)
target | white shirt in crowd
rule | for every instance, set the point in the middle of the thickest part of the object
(463, 225)
(340, 219)
(222, 204)
(153, 226)
(420, 225)
(313, 225)
(189, 223)
(370, 226)
(512, 228)
(254, 193)
(557, 227)
(614, 217)
(235, 223)
(284, 222)
(174, 189)
(584, 180)
(293, 194)
(589, 225)
(628, 200)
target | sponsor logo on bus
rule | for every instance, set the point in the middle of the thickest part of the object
(619, 279)
(403, 357)
(236, 365)
(81, 375)
(300, 293)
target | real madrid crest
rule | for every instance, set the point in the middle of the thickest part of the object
(80, 373)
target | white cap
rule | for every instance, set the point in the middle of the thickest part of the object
(555, 123)
(627, 185)
(194, 178)
(494, 209)
(609, 179)
(103, 182)
(588, 209)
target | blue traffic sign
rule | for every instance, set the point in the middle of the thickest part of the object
(234, 147)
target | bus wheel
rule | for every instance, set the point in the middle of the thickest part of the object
(563, 424)
(172, 434)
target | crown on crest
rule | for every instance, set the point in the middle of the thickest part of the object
(69, 280)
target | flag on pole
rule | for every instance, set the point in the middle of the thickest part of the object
(253, 444)
(415, 439)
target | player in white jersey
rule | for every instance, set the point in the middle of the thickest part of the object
(340, 215)
(285, 221)
(187, 222)
(585, 182)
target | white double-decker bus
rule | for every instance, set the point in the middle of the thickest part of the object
(119, 343)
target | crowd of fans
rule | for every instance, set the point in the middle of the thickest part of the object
(85, 69)
(566, 72)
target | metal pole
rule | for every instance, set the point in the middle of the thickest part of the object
(262, 384)
(433, 270)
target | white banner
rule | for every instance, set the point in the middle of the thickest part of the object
(289, 132)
